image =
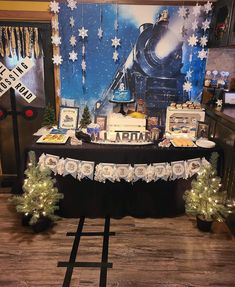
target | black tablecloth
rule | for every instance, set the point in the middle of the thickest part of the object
(140, 199)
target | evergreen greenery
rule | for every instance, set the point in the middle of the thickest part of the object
(205, 197)
(49, 119)
(40, 197)
(86, 117)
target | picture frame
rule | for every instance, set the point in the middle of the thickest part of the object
(202, 130)
(68, 118)
(152, 122)
(101, 121)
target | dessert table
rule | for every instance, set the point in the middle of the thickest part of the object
(140, 199)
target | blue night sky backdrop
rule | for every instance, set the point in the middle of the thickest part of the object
(100, 65)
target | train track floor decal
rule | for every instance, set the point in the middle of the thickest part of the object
(72, 263)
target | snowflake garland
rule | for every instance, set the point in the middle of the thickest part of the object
(183, 12)
(202, 54)
(72, 4)
(73, 56)
(116, 42)
(203, 41)
(55, 24)
(205, 25)
(192, 41)
(73, 41)
(196, 10)
(71, 22)
(208, 7)
(57, 59)
(187, 86)
(100, 30)
(83, 33)
(194, 25)
(56, 40)
(55, 7)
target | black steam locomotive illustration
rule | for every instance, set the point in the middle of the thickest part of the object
(152, 70)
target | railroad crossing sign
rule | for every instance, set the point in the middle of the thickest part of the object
(10, 79)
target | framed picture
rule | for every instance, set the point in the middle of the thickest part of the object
(152, 122)
(202, 130)
(101, 121)
(68, 118)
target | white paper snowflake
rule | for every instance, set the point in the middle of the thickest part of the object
(71, 21)
(73, 40)
(56, 40)
(219, 103)
(83, 32)
(83, 49)
(55, 24)
(202, 54)
(116, 25)
(203, 41)
(100, 33)
(183, 12)
(72, 4)
(194, 25)
(54, 6)
(83, 65)
(116, 42)
(192, 41)
(115, 56)
(73, 56)
(189, 74)
(208, 7)
(196, 10)
(205, 25)
(187, 86)
(57, 60)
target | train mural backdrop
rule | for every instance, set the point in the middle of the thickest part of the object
(158, 52)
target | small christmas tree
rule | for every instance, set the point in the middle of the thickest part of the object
(205, 199)
(86, 117)
(49, 119)
(40, 197)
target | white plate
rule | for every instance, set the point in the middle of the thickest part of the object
(205, 143)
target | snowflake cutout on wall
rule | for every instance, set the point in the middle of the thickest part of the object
(73, 40)
(189, 74)
(55, 7)
(72, 4)
(208, 7)
(56, 40)
(57, 60)
(205, 25)
(202, 54)
(116, 42)
(192, 41)
(55, 24)
(196, 10)
(203, 41)
(183, 12)
(73, 56)
(187, 86)
(115, 56)
(83, 32)
(71, 21)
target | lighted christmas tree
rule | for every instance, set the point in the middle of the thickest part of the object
(40, 197)
(49, 116)
(86, 117)
(205, 198)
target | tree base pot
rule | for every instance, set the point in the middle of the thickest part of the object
(204, 225)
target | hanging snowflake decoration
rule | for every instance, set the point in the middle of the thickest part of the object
(208, 7)
(73, 41)
(100, 33)
(83, 65)
(83, 33)
(183, 12)
(115, 24)
(194, 25)
(55, 24)
(196, 10)
(189, 74)
(205, 25)
(57, 60)
(219, 103)
(72, 4)
(73, 56)
(115, 55)
(187, 86)
(203, 41)
(83, 50)
(116, 42)
(202, 54)
(192, 41)
(56, 40)
(71, 21)
(55, 7)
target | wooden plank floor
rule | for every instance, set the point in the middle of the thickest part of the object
(167, 252)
